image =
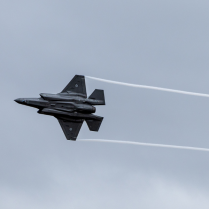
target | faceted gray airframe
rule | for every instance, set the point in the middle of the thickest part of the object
(71, 106)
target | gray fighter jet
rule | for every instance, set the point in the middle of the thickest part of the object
(71, 106)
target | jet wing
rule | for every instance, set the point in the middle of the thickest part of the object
(70, 129)
(76, 85)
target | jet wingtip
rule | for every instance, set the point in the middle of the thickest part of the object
(80, 75)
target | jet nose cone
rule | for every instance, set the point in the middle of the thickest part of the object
(17, 100)
(20, 101)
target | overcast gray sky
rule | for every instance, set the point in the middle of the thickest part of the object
(164, 43)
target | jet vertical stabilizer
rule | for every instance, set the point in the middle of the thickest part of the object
(99, 96)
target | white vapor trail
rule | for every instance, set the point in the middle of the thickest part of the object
(150, 87)
(145, 144)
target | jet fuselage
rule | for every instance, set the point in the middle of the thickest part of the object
(69, 105)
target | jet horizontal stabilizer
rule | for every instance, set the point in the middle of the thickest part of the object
(94, 125)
